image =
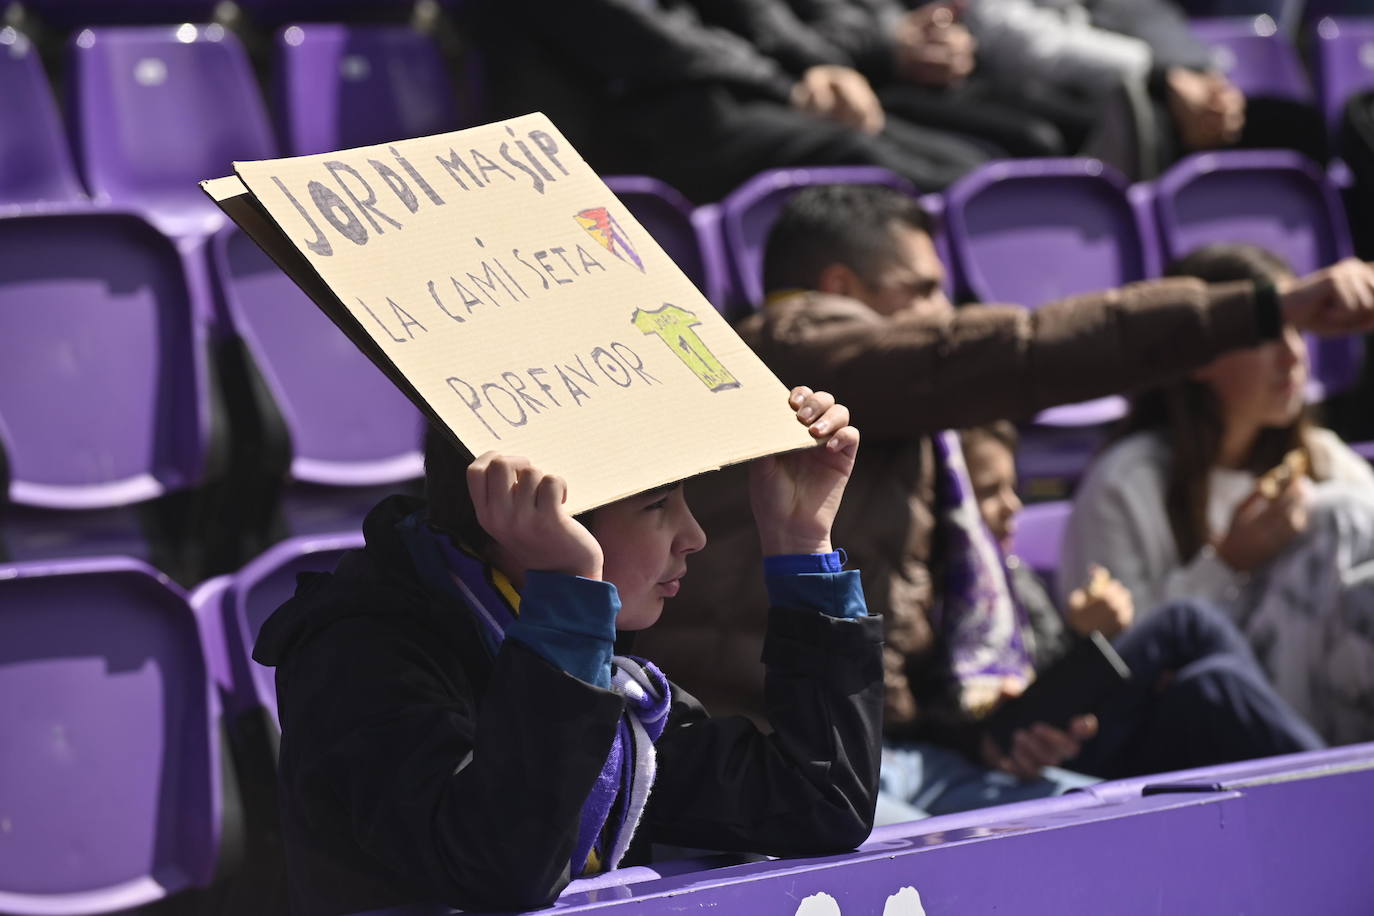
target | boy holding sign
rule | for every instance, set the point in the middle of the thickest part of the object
(456, 728)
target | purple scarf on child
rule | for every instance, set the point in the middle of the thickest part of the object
(627, 777)
(975, 613)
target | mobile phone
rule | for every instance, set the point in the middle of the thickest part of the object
(1077, 684)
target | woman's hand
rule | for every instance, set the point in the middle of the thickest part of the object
(1262, 528)
(521, 508)
(795, 496)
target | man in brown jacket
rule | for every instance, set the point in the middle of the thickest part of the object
(857, 307)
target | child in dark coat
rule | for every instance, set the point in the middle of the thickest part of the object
(457, 727)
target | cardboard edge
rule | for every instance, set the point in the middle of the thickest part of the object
(233, 197)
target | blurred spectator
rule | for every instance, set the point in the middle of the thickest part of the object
(1165, 96)
(858, 307)
(676, 89)
(1184, 505)
(1196, 696)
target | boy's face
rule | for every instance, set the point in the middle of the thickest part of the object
(992, 471)
(645, 540)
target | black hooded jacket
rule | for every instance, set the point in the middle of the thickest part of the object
(414, 768)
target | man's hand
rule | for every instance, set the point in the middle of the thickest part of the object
(795, 496)
(1104, 604)
(933, 48)
(1336, 300)
(839, 94)
(1261, 528)
(1037, 747)
(1208, 110)
(521, 507)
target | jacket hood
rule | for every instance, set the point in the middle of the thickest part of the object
(366, 583)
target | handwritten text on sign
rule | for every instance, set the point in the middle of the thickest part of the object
(528, 308)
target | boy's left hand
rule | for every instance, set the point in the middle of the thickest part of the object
(795, 496)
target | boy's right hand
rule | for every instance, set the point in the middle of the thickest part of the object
(521, 508)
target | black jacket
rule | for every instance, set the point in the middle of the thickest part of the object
(415, 769)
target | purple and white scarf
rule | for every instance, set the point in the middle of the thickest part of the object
(981, 622)
(628, 774)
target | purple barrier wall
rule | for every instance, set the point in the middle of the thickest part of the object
(1283, 836)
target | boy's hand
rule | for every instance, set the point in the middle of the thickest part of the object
(521, 507)
(795, 496)
(839, 94)
(1104, 604)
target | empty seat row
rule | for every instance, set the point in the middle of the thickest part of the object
(156, 109)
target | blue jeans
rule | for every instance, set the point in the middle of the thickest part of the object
(920, 780)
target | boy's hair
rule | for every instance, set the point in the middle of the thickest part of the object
(1224, 262)
(1003, 432)
(449, 505)
(836, 224)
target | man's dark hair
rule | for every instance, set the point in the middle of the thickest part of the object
(836, 224)
(1224, 262)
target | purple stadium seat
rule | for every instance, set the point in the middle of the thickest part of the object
(103, 398)
(748, 213)
(159, 108)
(1343, 60)
(668, 216)
(35, 161)
(1261, 62)
(110, 779)
(349, 425)
(1039, 530)
(1033, 231)
(341, 86)
(1272, 198)
(239, 603)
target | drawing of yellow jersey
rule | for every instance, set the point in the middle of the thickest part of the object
(674, 326)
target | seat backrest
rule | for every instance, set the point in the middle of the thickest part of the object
(349, 425)
(159, 108)
(1272, 198)
(35, 161)
(257, 590)
(1031, 231)
(109, 765)
(667, 216)
(749, 211)
(102, 381)
(1256, 57)
(342, 86)
(1343, 52)
(1039, 530)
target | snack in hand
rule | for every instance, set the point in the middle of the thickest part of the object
(1098, 583)
(1293, 466)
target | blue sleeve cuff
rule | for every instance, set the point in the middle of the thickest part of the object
(792, 563)
(569, 621)
(815, 582)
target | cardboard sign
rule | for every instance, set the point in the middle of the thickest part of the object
(497, 281)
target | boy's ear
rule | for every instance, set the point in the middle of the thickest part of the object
(838, 280)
